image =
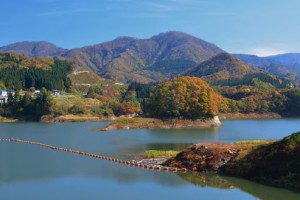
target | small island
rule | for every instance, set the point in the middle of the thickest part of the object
(185, 102)
(152, 123)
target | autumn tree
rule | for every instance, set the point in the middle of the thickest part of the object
(184, 97)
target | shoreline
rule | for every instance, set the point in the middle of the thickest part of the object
(159, 122)
(237, 116)
(253, 160)
(72, 118)
(126, 123)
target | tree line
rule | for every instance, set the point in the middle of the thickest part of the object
(17, 74)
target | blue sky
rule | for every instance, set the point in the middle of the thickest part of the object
(261, 27)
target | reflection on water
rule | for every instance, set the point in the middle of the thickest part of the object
(24, 167)
(223, 182)
(202, 134)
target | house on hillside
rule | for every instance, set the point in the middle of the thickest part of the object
(56, 93)
(3, 96)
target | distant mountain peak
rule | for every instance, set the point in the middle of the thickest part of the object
(34, 48)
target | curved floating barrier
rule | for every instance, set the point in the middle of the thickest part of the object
(125, 162)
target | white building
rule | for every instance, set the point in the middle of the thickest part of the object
(3, 93)
(3, 96)
(56, 93)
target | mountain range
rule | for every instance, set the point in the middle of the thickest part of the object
(127, 59)
(283, 65)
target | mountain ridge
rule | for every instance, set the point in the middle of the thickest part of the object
(126, 59)
(165, 55)
(283, 65)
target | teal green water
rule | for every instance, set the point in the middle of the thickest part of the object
(32, 172)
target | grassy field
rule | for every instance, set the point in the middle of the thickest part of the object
(158, 154)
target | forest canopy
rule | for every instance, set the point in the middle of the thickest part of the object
(184, 97)
(20, 72)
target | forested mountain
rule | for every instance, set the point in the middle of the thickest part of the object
(291, 60)
(129, 59)
(20, 72)
(165, 55)
(284, 65)
(33, 49)
(225, 69)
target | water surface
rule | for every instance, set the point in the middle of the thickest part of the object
(32, 172)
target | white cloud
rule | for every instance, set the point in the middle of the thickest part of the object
(262, 52)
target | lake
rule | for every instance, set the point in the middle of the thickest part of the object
(32, 172)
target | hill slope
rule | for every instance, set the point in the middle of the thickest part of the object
(225, 69)
(284, 65)
(127, 59)
(21, 72)
(276, 163)
(259, 163)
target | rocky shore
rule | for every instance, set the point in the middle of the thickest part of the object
(275, 163)
(209, 157)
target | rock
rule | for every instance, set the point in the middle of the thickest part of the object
(229, 152)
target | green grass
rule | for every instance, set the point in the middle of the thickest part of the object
(253, 142)
(159, 154)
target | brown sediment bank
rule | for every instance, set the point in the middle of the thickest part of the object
(152, 123)
(73, 118)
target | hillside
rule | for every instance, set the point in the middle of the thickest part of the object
(225, 69)
(259, 163)
(20, 72)
(82, 76)
(284, 65)
(292, 60)
(34, 49)
(276, 163)
(127, 59)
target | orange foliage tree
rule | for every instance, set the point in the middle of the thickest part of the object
(184, 97)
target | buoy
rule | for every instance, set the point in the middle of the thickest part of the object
(158, 167)
(132, 163)
(141, 165)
